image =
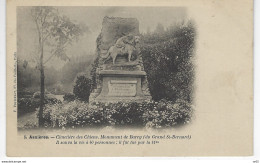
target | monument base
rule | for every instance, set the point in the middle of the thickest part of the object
(121, 86)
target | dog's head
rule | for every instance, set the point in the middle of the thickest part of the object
(131, 39)
(136, 39)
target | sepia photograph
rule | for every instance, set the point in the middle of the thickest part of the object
(96, 67)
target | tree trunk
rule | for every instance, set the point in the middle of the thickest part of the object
(41, 120)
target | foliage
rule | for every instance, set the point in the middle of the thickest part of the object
(38, 94)
(72, 114)
(27, 105)
(55, 31)
(122, 114)
(82, 88)
(69, 97)
(149, 113)
(23, 93)
(168, 61)
(93, 73)
(167, 114)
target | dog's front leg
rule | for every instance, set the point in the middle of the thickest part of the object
(129, 57)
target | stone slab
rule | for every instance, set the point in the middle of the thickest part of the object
(119, 88)
(122, 73)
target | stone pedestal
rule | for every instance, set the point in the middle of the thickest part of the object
(122, 86)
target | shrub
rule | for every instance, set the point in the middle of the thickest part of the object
(122, 114)
(72, 114)
(27, 105)
(69, 97)
(82, 88)
(51, 101)
(47, 95)
(148, 113)
(167, 58)
(24, 94)
(168, 114)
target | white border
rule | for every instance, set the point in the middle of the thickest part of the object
(256, 79)
(2, 79)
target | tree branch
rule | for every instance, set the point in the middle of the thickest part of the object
(44, 19)
(53, 54)
(46, 37)
(49, 58)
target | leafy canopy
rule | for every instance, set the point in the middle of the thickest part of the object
(55, 32)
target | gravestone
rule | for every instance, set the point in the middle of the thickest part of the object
(122, 80)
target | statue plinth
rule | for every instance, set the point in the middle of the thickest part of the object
(122, 86)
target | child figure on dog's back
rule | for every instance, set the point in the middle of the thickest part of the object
(120, 43)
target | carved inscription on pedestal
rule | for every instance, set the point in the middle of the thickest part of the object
(122, 88)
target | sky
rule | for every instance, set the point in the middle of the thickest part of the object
(92, 17)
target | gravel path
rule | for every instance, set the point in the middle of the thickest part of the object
(26, 119)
